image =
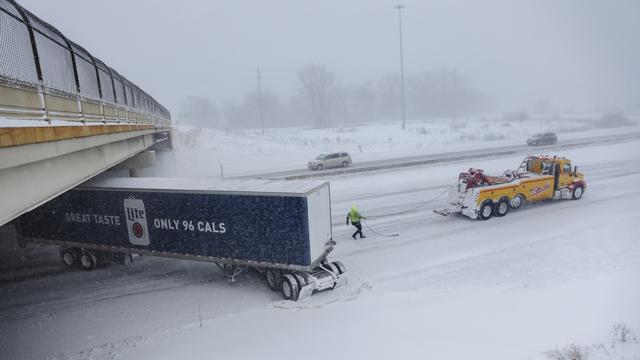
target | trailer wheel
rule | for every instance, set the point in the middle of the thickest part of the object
(274, 279)
(69, 258)
(290, 288)
(516, 201)
(88, 260)
(486, 210)
(332, 267)
(502, 207)
(577, 193)
(302, 281)
(340, 267)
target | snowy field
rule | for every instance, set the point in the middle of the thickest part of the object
(545, 281)
(202, 152)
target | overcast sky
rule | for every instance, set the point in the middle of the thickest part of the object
(575, 53)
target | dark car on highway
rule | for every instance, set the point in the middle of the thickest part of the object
(547, 138)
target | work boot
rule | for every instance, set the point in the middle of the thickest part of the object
(362, 236)
(353, 236)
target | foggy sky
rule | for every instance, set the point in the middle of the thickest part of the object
(576, 54)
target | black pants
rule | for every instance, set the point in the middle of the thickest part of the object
(358, 227)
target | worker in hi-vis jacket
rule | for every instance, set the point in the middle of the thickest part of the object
(354, 216)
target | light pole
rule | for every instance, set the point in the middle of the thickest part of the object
(399, 7)
(260, 101)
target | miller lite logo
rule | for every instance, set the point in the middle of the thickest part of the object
(136, 221)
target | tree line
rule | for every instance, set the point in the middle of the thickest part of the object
(323, 102)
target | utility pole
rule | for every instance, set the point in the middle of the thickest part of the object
(399, 7)
(260, 101)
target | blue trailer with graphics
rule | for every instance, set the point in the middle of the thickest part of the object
(282, 228)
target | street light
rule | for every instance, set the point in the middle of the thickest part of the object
(399, 8)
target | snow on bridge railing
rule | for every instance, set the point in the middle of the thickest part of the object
(44, 75)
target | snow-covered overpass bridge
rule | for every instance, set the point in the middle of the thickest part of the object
(65, 115)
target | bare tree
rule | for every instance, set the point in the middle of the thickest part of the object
(318, 84)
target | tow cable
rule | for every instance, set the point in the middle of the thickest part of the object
(403, 212)
(377, 233)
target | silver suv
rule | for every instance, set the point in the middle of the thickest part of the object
(325, 161)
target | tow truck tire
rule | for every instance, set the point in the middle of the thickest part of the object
(88, 261)
(486, 210)
(340, 267)
(290, 289)
(516, 201)
(577, 193)
(502, 207)
(274, 279)
(320, 167)
(69, 258)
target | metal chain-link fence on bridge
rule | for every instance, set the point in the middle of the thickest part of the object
(45, 75)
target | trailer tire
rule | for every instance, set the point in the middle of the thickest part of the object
(274, 279)
(70, 258)
(501, 208)
(486, 210)
(340, 267)
(88, 261)
(302, 281)
(516, 201)
(331, 267)
(290, 288)
(577, 193)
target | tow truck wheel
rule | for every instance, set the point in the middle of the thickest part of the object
(274, 279)
(486, 210)
(69, 258)
(502, 207)
(516, 202)
(290, 288)
(577, 193)
(88, 261)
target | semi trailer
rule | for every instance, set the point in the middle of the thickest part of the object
(481, 196)
(282, 228)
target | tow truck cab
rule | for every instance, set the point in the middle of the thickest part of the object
(564, 175)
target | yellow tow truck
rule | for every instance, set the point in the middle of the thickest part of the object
(480, 196)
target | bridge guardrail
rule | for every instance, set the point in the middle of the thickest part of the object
(45, 76)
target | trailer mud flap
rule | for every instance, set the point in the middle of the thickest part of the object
(306, 292)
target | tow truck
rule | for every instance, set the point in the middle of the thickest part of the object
(480, 196)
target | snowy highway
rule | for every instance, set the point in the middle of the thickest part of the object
(541, 278)
(449, 156)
